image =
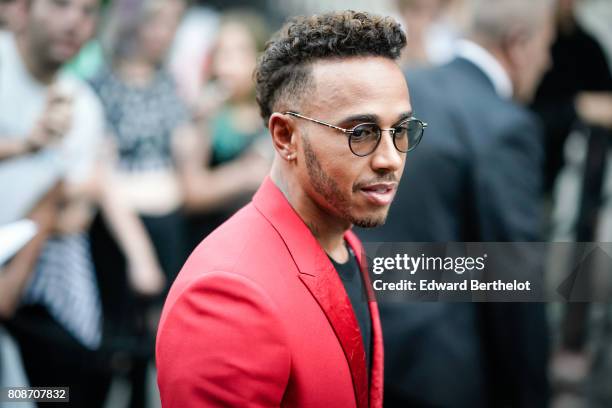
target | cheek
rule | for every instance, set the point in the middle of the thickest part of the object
(87, 29)
(42, 21)
(402, 167)
(152, 37)
(339, 167)
(539, 62)
(346, 173)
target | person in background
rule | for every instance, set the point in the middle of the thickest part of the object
(48, 130)
(577, 88)
(16, 272)
(11, 16)
(432, 29)
(419, 16)
(574, 102)
(226, 163)
(477, 178)
(145, 118)
(58, 323)
(146, 121)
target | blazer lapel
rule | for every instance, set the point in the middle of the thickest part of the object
(327, 288)
(377, 370)
(319, 276)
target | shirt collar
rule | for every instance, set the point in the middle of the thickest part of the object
(487, 63)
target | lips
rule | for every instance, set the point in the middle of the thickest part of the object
(381, 194)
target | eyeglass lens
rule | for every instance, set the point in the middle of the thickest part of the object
(364, 139)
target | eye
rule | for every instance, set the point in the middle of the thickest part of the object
(402, 130)
(90, 11)
(365, 132)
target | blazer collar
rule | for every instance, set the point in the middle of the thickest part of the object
(319, 276)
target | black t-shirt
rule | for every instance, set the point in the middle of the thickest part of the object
(352, 280)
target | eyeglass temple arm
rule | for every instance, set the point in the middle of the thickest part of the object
(317, 121)
(342, 129)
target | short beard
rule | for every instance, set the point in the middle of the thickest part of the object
(370, 222)
(39, 50)
(330, 191)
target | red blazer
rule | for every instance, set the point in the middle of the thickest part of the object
(258, 317)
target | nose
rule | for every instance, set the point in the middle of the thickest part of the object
(386, 158)
(72, 14)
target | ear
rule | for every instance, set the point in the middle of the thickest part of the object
(282, 128)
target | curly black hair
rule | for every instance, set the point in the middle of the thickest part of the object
(283, 71)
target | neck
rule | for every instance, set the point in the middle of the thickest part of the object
(518, 95)
(43, 73)
(502, 58)
(325, 227)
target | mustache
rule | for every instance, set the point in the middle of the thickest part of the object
(387, 178)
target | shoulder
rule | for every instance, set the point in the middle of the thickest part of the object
(101, 79)
(587, 41)
(450, 90)
(203, 341)
(244, 244)
(511, 135)
(516, 121)
(168, 78)
(426, 80)
(244, 260)
(217, 288)
(224, 274)
(168, 86)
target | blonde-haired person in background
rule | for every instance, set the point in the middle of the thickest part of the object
(227, 161)
(145, 120)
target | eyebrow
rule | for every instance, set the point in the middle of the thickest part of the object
(371, 118)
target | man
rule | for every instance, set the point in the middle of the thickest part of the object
(271, 309)
(36, 113)
(58, 324)
(478, 178)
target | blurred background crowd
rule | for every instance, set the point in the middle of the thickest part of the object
(129, 130)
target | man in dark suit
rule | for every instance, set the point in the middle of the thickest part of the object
(476, 178)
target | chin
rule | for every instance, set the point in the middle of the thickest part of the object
(369, 222)
(57, 59)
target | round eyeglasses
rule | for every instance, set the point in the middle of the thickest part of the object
(364, 138)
